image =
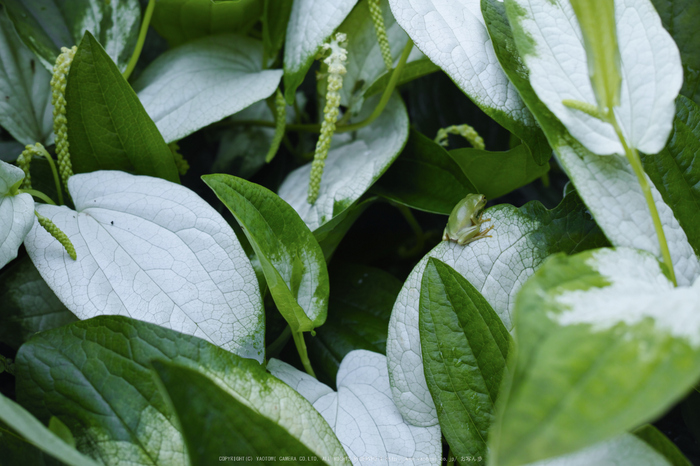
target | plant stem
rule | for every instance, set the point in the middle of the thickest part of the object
(388, 90)
(142, 38)
(634, 160)
(415, 226)
(38, 194)
(276, 346)
(56, 179)
(303, 354)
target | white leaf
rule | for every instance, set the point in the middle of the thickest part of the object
(154, 251)
(612, 193)
(453, 34)
(551, 45)
(362, 412)
(310, 24)
(353, 164)
(625, 450)
(497, 267)
(203, 81)
(25, 109)
(16, 212)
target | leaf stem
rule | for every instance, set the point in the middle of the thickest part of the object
(417, 230)
(303, 354)
(388, 90)
(634, 160)
(56, 179)
(142, 38)
(38, 194)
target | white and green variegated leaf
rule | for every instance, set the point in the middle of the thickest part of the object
(16, 212)
(354, 163)
(362, 412)
(605, 343)
(367, 65)
(152, 250)
(310, 24)
(25, 110)
(496, 266)
(108, 358)
(453, 34)
(203, 81)
(549, 40)
(624, 450)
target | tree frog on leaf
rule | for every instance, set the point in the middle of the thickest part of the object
(464, 224)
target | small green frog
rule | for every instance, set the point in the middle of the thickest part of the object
(464, 224)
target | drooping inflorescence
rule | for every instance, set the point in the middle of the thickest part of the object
(336, 69)
(466, 131)
(58, 99)
(24, 161)
(280, 123)
(56, 232)
(375, 11)
(180, 162)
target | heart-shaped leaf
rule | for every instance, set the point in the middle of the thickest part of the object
(155, 251)
(497, 266)
(201, 82)
(291, 259)
(354, 163)
(16, 212)
(362, 412)
(25, 110)
(605, 343)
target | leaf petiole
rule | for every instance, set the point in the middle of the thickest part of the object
(303, 354)
(142, 38)
(38, 194)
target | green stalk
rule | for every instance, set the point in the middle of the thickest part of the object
(303, 354)
(56, 179)
(38, 194)
(634, 160)
(142, 38)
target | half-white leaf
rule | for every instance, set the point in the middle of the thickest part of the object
(16, 212)
(362, 412)
(353, 165)
(549, 40)
(453, 35)
(154, 251)
(201, 82)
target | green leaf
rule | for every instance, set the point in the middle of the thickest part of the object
(61, 430)
(425, 177)
(245, 432)
(464, 347)
(659, 442)
(453, 35)
(94, 376)
(496, 266)
(358, 317)
(291, 258)
(680, 19)
(275, 18)
(605, 343)
(29, 305)
(607, 185)
(201, 82)
(25, 106)
(495, 174)
(47, 25)
(180, 21)
(675, 170)
(108, 127)
(310, 24)
(15, 450)
(38, 435)
(354, 163)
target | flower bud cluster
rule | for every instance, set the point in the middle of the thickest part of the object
(56, 232)
(58, 99)
(375, 11)
(180, 162)
(466, 131)
(336, 69)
